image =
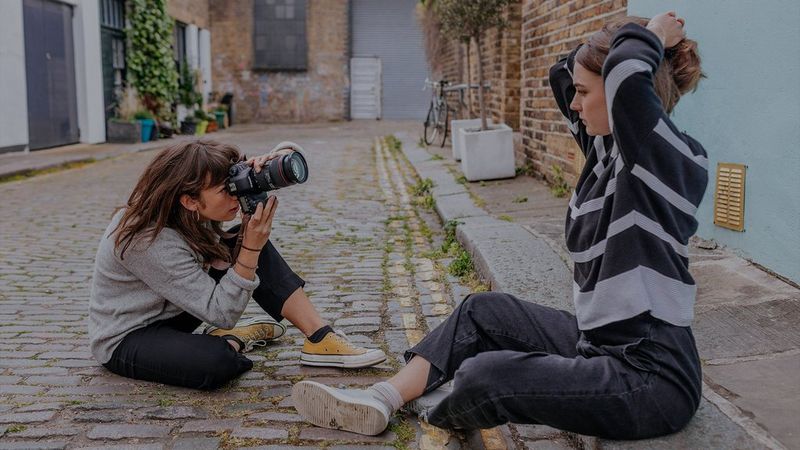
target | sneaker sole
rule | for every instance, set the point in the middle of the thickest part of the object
(325, 407)
(279, 327)
(348, 362)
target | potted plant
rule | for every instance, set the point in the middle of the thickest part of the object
(212, 124)
(123, 128)
(189, 125)
(219, 114)
(487, 152)
(188, 96)
(147, 123)
(202, 122)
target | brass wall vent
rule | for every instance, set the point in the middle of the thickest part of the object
(729, 196)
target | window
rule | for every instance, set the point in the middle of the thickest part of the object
(279, 34)
(179, 44)
(112, 14)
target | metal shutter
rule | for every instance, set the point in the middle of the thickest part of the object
(388, 29)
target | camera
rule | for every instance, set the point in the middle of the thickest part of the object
(253, 188)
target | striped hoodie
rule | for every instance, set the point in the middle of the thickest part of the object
(632, 212)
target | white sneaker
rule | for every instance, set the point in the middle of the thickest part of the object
(353, 410)
(422, 406)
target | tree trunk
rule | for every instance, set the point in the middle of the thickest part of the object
(469, 83)
(481, 103)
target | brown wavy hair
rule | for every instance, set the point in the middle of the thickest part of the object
(678, 73)
(183, 168)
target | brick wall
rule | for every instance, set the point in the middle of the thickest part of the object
(319, 93)
(551, 29)
(189, 11)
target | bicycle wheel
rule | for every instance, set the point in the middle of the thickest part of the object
(431, 126)
(444, 122)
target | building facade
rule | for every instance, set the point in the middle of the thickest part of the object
(62, 64)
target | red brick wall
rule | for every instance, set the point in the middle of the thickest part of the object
(550, 29)
(319, 93)
(189, 11)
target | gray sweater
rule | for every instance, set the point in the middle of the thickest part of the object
(153, 283)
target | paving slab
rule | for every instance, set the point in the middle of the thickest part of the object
(765, 389)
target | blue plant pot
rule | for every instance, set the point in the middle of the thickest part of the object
(147, 128)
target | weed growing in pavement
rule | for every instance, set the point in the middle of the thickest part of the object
(422, 194)
(436, 157)
(392, 143)
(505, 217)
(521, 199)
(421, 142)
(559, 186)
(16, 428)
(404, 432)
(526, 169)
(461, 264)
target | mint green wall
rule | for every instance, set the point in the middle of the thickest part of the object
(747, 111)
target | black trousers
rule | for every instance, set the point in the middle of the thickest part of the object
(514, 361)
(167, 352)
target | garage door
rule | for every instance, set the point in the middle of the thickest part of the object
(388, 30)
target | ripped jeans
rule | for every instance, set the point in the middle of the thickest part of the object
(519, 362)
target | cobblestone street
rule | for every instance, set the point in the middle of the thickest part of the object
(352, 231)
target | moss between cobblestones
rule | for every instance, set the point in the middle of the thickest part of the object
(35, 172)
(404, 431)
(16, 428)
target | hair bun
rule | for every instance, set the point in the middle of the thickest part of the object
(685, 62)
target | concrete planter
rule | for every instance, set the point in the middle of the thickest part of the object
(123, 132)
(455, 126)
(487, 155)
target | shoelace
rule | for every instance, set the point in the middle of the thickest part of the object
(343, 338)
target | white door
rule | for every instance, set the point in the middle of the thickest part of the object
(365, 88)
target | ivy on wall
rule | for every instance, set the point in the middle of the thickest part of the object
(151, 68)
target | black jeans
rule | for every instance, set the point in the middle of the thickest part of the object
(514, 361)
(167, 352)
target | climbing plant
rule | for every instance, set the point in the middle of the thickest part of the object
(151, 68)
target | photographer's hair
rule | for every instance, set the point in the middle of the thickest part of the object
(183, 168)
(678, 73)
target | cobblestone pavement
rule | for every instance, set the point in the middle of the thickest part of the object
(353, 232)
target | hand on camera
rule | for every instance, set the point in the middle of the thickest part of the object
(259, 227)
(258, 161)
(668, 27)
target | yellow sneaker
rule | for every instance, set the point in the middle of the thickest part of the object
(335, 350)
(253, 332)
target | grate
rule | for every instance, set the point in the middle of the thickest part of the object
(729, 196)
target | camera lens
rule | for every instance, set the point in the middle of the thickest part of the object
(298, 167)
(283, 171)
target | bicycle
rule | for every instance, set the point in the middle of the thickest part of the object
(436, 121)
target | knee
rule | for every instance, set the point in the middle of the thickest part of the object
(479, 375)
(221, 367)
(485, 300)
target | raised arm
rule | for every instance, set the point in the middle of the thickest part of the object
(564, 92)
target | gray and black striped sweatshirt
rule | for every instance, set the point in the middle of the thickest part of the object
(633, 209)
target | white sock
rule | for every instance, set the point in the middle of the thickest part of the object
(387, 394)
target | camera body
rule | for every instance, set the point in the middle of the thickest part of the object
(253, 188)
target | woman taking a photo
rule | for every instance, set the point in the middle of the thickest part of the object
(164, 266)
(625, 366)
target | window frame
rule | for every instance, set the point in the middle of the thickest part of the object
(264, 59)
